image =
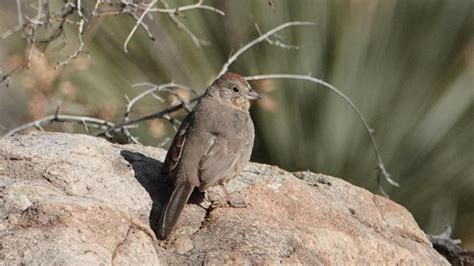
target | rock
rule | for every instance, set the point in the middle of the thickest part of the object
(76, 199)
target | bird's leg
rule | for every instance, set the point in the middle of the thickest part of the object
(236, 203)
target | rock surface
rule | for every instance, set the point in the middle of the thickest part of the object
(76, 199)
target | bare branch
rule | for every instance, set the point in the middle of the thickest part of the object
(197, 41)
(159, 88)
(8, 33)
(7, 77)
(383, 172)
(96, 7)
(57, 118)
(155, 88)
(197, 5)
(80, 31)
(159, 114)
(20, 14)
(139, 22)
(261, 38)
(277, 42)
(79, 9)
(145, 27)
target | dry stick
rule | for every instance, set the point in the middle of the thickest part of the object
(7, 77)
(79, 9)
(20, 14)
(277, 43)
(96, 6)
(180, 25)
(154, 88)
(139, 21)
(262, 38)
(78, 50)
(80, 31)
(370, 131)
(172, 14)
(159, 114)
(197, 5)
(99, 123)
(144, 26)
(35, 22)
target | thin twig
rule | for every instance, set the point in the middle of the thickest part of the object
(197, 41)
(79, 9)
(159, 114)
(144, 26)
(80, 30)
(139, 21)
(8, 33)
(277, 42)
(7, 77)
(96, 6)
(90, 121)
(261, 38)
(197, 5)
(370, 131)
(20, 14)
(154, 88)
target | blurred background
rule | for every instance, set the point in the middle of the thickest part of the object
(408, 65)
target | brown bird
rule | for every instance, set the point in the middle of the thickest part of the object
(212, 145)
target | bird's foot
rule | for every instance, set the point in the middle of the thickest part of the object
(236, 202)
(225, 202)
(232, 201)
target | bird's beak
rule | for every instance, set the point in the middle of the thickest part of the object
(253, 95)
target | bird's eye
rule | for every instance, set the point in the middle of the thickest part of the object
(235, 89)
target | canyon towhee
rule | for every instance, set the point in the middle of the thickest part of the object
(212, 145)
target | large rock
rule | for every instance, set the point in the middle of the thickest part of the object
(75, 199)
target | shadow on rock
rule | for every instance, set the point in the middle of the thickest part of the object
(149, 175)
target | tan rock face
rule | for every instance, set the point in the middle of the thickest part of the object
(75, 199)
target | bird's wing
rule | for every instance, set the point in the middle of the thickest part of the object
(218, 161)
(176, 149)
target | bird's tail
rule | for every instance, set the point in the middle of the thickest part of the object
(172, 211)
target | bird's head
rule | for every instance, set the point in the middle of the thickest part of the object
(234, 90)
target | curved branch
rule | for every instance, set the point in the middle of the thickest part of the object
(370, 131)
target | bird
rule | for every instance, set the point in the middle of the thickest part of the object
(211, 146)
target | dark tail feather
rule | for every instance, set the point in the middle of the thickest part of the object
(172, 211)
